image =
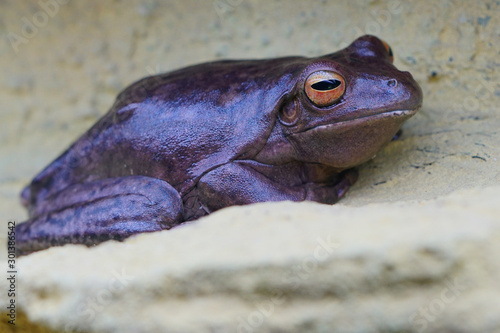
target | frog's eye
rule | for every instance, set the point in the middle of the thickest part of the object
(389, 51)
(324, 88)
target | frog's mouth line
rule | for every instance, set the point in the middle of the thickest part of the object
(353, 122)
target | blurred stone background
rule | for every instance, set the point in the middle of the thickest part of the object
(63, 62)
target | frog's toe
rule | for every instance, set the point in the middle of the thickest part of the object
(331, 193)
(397, 135)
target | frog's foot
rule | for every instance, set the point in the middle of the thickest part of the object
(397, 135)
(331, 193)
(93, 212)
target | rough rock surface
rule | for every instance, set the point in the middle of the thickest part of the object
(284, 267)
(412, 246)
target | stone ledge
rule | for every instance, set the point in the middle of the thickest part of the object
(284, 267)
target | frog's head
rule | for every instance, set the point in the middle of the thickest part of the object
(347, 105)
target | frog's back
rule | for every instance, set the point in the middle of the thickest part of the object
(177, 126)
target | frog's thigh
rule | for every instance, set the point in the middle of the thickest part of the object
(90, 213)
(237, 184)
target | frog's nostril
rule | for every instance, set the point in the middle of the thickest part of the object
(392, 83)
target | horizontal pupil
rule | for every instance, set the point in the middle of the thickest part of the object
(326, 85)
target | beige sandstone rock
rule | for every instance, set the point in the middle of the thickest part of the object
(412, 247)
(285, 267)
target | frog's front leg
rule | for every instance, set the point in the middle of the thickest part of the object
(90, 213)
(238, 184)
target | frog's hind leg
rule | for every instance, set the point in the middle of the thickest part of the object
(93, 212)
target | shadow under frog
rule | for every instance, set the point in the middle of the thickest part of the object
(177, 146)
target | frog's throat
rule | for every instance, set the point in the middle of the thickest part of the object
(348, 143)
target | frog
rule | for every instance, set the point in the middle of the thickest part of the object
(177, 146)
